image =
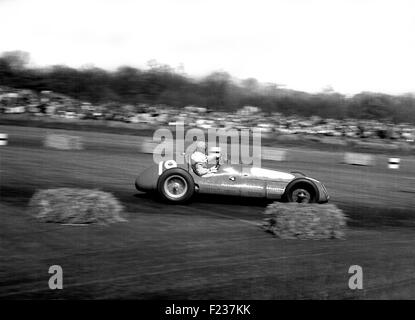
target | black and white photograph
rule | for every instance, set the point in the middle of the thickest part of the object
(185, 150)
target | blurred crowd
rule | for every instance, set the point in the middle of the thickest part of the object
(55, 105)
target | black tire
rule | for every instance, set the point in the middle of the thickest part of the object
(176, 185)
(302, 193)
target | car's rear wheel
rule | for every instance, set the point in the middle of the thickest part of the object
(302, 193)
(176, 185)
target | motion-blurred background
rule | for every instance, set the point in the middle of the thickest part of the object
(162, 96)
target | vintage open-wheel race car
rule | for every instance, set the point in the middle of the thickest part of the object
(177, 183)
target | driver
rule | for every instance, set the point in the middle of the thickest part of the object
(199, 160)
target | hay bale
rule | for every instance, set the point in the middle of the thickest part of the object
(304, 221)
(359, 159)
(63, 142)
(75, 206)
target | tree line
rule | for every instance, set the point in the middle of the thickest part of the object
(161, 84)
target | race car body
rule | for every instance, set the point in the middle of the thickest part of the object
(178, 183)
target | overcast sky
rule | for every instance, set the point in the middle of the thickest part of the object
(351, 45)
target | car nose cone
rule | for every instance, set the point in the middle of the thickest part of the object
(147, 180)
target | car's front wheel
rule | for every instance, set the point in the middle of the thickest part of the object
(176, 185)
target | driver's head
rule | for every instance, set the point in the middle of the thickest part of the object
(201, 146)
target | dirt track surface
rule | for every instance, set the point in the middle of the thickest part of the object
(209, 249)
